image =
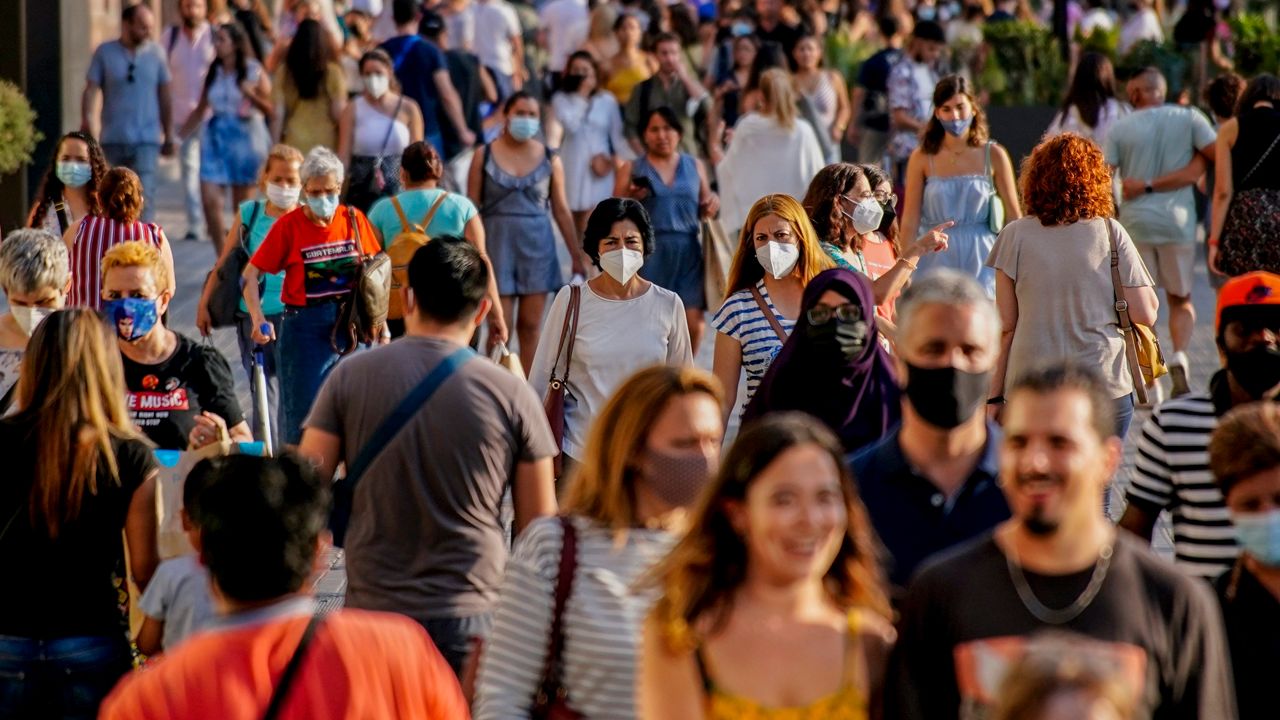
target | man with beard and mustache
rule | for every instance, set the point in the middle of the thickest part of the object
(1172, 472)
(1058, 564)
(930, 483)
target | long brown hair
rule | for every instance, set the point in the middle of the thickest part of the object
(701, 575)
(71, 393)
(746, 271)
(51, 187)
(602, 487)
(820, 200)
(948, 87)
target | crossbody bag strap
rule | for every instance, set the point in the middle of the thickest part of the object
(1122, 313)
(281, 692)
(564, 587)
(1262, 159)
(768, 314)
(400, 416)
(246, 230)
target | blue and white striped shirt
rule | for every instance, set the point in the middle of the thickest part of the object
(741, 319)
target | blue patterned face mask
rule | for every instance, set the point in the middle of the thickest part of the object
(133, 318)
(1259, 535)
(957, 127)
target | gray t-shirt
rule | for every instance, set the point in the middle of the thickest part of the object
(426, 537)
(1066, 304)
(130, 108)
(1150, 143)
(178, 595)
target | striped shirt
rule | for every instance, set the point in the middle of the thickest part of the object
(1172, 473)
(741, 319)
(95, 237)
(603, 618)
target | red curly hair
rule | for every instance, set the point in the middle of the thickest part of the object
(1065, 180)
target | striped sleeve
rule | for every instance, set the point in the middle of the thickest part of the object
(1152, 482)
(516, 648)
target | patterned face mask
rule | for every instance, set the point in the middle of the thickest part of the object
(677, 478)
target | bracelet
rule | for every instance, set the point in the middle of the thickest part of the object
(997, 400)
(1213, 242)
(908, 263)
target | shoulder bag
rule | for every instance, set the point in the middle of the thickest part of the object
(554, 402)
(224, 299)
(1251, 225)
(344, 489)
(281, 692)
(995, 206)
(768, 315)
(1142, 347)
(363, 315)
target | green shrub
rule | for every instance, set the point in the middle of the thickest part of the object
(18, 134)
(1025, 65)
(1175, 64)
(846, 56)
(1257, 45)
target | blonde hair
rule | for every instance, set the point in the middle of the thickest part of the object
(71, 392)
(602, 487)
(137, 254)
(746, 271)
(284, 153)
(778, 97)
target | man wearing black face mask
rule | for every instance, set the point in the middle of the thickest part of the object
(931, 483)
(1173, 465)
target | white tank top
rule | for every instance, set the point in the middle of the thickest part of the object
(371, 132)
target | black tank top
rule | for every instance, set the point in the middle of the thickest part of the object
(1259, 129)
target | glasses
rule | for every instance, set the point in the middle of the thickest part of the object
(882, 197)
(822, 314)
(886, 198)
(131, 68)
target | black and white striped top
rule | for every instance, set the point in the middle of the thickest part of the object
(1172, 473)
(603, 619)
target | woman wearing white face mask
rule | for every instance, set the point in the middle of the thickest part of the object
(778, 254)
(374, 130)
(281, 183)
(625, 322)
(69, 190)
(35, 277)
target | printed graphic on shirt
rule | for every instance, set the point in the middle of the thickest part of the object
(150, 408)
(981, 667)
(330, 269)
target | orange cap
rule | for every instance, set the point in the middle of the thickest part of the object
(1255, 288)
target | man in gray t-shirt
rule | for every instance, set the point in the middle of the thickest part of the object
(1166, 147)
(427, 537)
(133, 78)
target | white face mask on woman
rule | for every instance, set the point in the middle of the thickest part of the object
(778, 259)
(622, 264)
(28, 318)
(284, 197)
(377, 84)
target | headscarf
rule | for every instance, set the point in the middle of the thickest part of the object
(857, 398)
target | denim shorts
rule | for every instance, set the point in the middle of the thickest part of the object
(61, 678)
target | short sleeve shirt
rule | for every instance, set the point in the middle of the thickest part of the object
(416, 63)
(741, 319)
(130, 108)
(320, 264)
(496, 24)
(253, 215)
(165, 399)
(1150, 143)
(451, 217)
(178, 596)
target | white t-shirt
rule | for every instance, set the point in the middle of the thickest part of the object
(764, 158)
(496, 24)
(566, 23)
(1144, 25)
(615, 339)
(189, 59)
(178, 595)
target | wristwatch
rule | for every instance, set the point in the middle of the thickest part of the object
(1148, 189)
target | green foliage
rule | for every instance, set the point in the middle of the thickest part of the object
(18, 134)
(1025, 66)
(1101, 41)
(845, 55)
(1257, 44)
(1176, 65)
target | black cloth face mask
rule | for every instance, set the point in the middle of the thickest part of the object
(946, 397)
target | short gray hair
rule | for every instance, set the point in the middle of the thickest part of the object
(944, 287)
(32, 260)
(320, 162)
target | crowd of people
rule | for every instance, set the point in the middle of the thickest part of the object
(885, 494)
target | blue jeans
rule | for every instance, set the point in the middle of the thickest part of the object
(1124, 415)
(189, 163)
(142, 160)
(453, 637)
(271, 361)
(63, 678)
(306, 357)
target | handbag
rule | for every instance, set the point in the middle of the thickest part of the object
(281, 691)
(717, 256)
(363, 315)
(1142, 347)
(553, 404)
(507, 359)
(551, 699)
(995, 206)
(226, 294)
(344, 490)
(1252, 224)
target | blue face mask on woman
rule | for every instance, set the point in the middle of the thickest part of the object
(324, 206)
(132, 317)
(957, 127)
(523, 128)
(1259, 535)
(74, 174)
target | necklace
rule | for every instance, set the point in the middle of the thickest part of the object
(1058, 616)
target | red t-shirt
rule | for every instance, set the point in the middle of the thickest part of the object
(319, 263)
(360, 665)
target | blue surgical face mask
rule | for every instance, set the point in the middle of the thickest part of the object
(74, 174)
(523, 128)
(957, 127)
(1259, 535)
(132, 317)
(323, 206)
(926, 13)
(739, 29)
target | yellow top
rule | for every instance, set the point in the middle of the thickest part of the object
(847, 703)
(625, 80)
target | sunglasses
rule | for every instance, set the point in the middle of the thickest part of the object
(822, 314)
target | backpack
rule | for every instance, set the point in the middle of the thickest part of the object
(401, 250)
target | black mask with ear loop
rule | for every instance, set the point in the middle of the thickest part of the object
(886, 220)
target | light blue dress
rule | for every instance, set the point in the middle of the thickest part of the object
(966, 199)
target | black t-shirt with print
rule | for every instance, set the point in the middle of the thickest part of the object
(166, 398)
(963, 623)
